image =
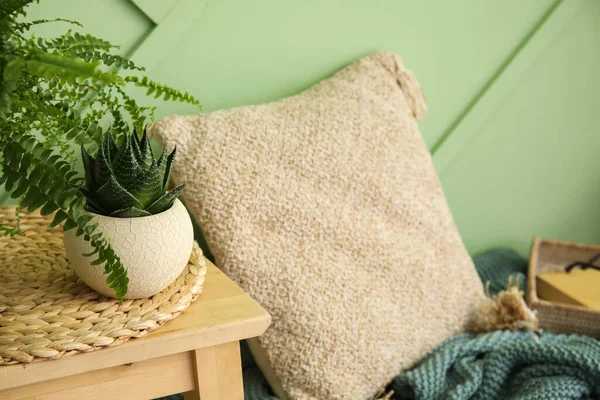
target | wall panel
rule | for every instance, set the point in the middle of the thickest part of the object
(525, 160)
(510, 85)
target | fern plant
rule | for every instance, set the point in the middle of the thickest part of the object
(56, 95)
(127, 181)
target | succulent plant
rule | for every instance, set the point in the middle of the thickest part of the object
(127, 181)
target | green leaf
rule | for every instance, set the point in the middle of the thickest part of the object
(69, 224)
(73, 133)
(102, 167)
(148, 187)
(162, 160)
(94, 131)
(169, 167)
(25, 163)
(59, 217)
(66, 197)
(94, 251)
(46, 180)
(165, 201)
(70, 175)
(89, 229)
(113, 196)
(12, 177)
(126, 166)
(55, 193)
(34, 199)
(147, 155)
(118, 274)
(12, 156)
(113, 148)
(135, 144)
(98, 261)
(36, 174)
(45, 155)
(49, 208)
(84, 219)
(63, 167)
(96, 236)
(21, 189)
(88, 166)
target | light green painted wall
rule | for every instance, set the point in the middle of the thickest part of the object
(236, 52)
(526, 160)
(511, 86)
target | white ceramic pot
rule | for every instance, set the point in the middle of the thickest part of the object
(153, 249)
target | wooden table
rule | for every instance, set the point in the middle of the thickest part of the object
(197, 353)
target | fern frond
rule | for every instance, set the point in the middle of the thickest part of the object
(65, 70)
(42, 157)
(160, 90)
(137, 113)
(109, 60)
(49, 67)
(25, 26)
(116, 273)
(75, 43)
(45, 188)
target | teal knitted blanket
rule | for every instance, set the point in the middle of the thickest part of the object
(500, 365)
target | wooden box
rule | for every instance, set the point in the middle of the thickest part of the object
(553, 256)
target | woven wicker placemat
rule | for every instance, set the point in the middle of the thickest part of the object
(46, 312)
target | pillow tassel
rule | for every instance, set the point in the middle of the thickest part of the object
(406, 80)
(506, 310)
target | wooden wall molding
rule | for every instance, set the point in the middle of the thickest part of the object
(473, 119)
(156, 10)
(171, 27)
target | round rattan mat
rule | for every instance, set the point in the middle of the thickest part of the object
(46, 312)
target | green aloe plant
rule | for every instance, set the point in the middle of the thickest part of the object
(126, 180)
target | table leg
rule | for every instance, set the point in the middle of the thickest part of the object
(218, 373)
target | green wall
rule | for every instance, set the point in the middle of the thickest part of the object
(511, 86)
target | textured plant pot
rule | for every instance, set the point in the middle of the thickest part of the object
(153, 249)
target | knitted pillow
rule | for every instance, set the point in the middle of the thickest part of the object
(325, 207)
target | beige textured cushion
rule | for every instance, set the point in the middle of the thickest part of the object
(325, 207)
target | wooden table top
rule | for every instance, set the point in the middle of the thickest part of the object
(223, 313)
